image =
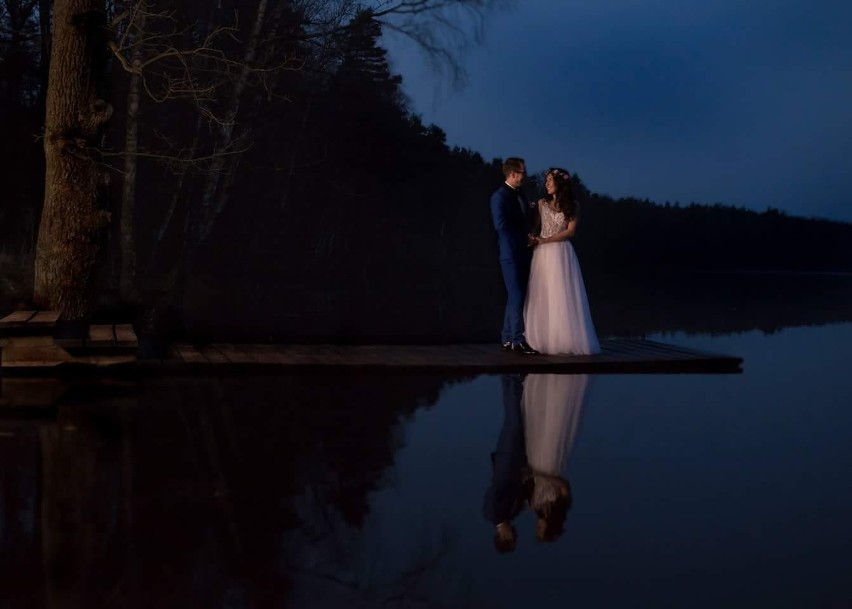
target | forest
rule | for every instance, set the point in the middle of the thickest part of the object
(252, 169)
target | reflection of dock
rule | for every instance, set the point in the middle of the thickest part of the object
(29, 347)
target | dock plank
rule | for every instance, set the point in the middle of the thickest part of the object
(236, 354)
(44, 318)
(674, 348)
(125, 336)
(213, 355)
(190, 354)
(16, 318)
(32, 352)
(104, 360)
(101, 336)
(638, 352)
(264, 354)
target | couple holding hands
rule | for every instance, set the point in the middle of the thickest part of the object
(547, 310)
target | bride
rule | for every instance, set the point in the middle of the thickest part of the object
(552, 405)
(556, 312)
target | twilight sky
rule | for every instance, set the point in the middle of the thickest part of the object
(740, 102)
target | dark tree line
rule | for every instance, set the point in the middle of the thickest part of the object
(632, 233)
(265, 178)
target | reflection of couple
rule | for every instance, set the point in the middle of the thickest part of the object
(546, 309)
(541, 413)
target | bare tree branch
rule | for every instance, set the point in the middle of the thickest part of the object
(442, 29)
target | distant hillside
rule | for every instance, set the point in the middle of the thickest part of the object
(629, 232)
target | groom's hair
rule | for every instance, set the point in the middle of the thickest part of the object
(506, 545)
(511, 164)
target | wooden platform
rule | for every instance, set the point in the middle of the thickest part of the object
(29, 342)
(29, 323)
(618, 356)
(28, 347)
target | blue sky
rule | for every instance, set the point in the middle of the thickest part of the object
(740, 102)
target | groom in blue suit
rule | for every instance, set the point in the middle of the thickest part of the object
(508, 491)
(509, 212)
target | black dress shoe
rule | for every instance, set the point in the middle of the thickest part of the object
(524, 349)
(507, 346)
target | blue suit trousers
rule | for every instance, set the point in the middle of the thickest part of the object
(516, 274)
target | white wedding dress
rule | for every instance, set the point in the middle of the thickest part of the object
(556, 312)
(552, 404)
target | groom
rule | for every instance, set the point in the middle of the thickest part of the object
(509, 212)
(508, 491)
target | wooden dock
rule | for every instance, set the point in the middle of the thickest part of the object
(29, 343)
(27, 348)
(617, 356)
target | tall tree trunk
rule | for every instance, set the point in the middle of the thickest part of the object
(72, 222)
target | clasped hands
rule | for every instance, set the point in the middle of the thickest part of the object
(533, 240)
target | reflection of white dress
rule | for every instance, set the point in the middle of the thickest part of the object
(556, 313)
(552, 404)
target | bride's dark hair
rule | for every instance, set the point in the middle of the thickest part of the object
(551, 499)
(563, 198)
(553, 519)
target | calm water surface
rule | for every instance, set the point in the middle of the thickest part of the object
(364, 491)
(689, 490)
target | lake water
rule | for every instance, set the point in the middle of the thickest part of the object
(355, 490)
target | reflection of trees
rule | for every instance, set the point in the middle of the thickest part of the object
(86, 503)
(347, 568)
(187, 492)
(716, 303)
(19, 530)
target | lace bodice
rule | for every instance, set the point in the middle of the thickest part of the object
(551, 221)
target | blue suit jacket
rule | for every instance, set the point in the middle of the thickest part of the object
(511, 223)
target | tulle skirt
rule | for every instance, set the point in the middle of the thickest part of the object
(556, 312)
(552, 405)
